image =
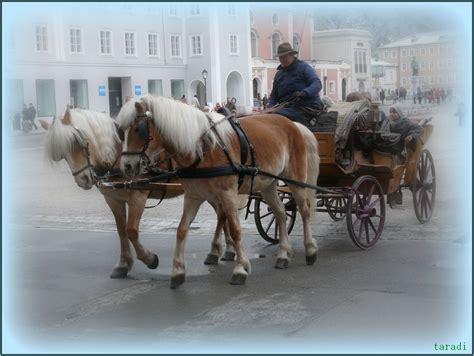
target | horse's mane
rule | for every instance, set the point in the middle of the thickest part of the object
(179, 123)
(97, 128)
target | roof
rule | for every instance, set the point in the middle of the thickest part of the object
(342, 32)
(421, 39)
(376, 62)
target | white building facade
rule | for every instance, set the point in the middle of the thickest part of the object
(98, 56)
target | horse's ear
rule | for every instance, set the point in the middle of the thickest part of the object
(67, 116)
(44, 124)
(139, 107)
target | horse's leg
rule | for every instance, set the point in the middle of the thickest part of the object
(213, 255)
(242, 267)
(285, 251)
(229, 254)
(136, 206)
(305, 207)
(125, 262)
(190, 209)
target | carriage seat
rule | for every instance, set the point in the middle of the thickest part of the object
(323, 122)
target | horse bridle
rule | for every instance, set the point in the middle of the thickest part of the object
(143, 120)
(84, 146)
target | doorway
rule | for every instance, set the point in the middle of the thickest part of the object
(115, 96)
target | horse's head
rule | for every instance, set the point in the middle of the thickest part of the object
(142, 146)
(72, 141)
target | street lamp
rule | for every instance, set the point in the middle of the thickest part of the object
(204, 76)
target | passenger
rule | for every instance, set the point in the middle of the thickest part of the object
(398, 123)
(295, 79)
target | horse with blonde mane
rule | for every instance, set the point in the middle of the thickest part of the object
(196, 141)
(90, 143)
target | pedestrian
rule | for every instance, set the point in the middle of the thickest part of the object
(265, 101)
(382, 95)
(195, 102)
(32, 115)
(296, 86)
(461, 114)
(419, 94)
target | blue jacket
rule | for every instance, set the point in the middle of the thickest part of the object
(298, 76)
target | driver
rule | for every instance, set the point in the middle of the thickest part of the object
(295, 79)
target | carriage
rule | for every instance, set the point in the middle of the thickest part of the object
(352, 183)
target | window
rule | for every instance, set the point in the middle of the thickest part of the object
(404, 81)
(332, 87)
(155, 87)
(105, 42)
(173, 10)
(440, 80)
(195, 10)
(364, 61)
(422, 65)
(41, 39)
(275, 19)
(360, 61)
(394, 54)
(79, 94)
(231, 10)
(449, 63)
(276, 40)
(385, 54)
(196, 48)
(431, 50)
(252, 17)
(412, 52)
(422, 52)
(175, 46)
(153, 45)
(431, 64)
(177, 88)
(75, 40)
(430, 79)
(45, 97)
(130, 44)
(440, 64)
(296, 42)
(404, 52)
(404, 67)
(253, 43)
(233, 44)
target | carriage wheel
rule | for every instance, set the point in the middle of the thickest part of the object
(337, 208)
(265, 219)
(424, 187)
(366, 212)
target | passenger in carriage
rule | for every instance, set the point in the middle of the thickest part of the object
(398, 123)
(296, 82)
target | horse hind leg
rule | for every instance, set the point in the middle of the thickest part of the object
(190, 209)
(136, 206)
(284, 248)
(125, 262)
(305, 207)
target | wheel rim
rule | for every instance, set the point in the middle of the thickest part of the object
(366, 212)
(336, 208)
(424, 187)
(265, 219)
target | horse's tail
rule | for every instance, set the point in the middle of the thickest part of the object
(312, 154)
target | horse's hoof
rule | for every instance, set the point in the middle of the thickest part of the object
(119, 272)
(238, 279)
(281, 263)
(176, 281)
(211, 260)
(311, 259)
(228, 256)
(155, 262)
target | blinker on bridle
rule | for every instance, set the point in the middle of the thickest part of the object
(143, 127)
(85, 146)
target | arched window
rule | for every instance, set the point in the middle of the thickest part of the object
(276, 40)
(275, 19)
(252, 17)
(253, 43)
(296, 42)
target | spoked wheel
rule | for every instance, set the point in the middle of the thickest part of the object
(366, 212)
(337, 208)
(265, 219)
(424, 187)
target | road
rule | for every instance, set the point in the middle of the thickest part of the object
(408, 293)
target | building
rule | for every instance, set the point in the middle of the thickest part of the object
(384, 76)
(100, 55)
(352, 47)
(438, 57)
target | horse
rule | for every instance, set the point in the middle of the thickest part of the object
(197, 140)
(90, 143)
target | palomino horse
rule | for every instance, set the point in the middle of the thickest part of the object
(90, 144)
(281, 148)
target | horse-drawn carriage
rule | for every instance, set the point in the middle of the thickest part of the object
(352, 183)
